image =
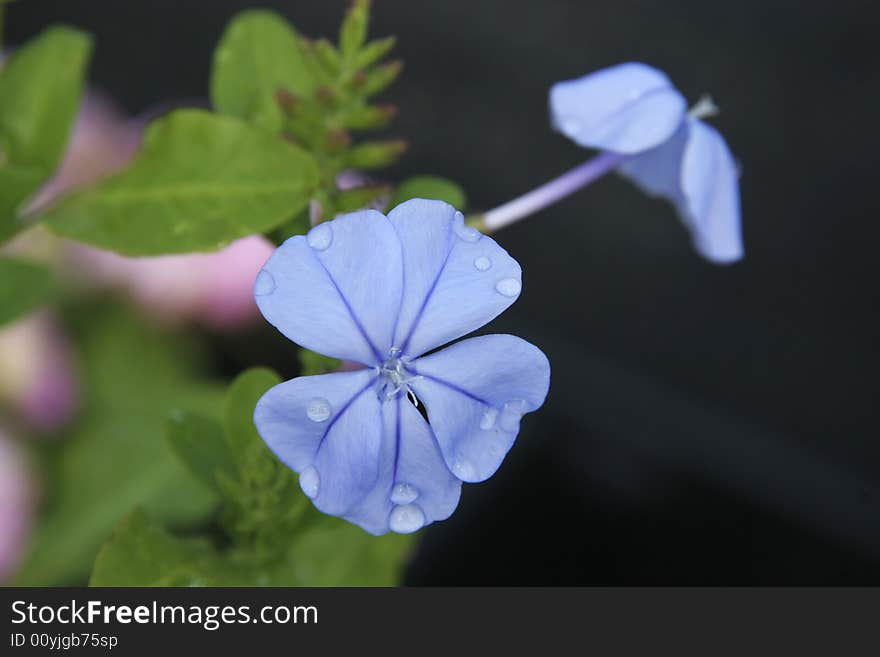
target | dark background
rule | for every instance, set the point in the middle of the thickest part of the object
(705, 424)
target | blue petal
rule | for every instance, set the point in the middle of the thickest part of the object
(329, 429)
(626, 108)
(336, 291)
(710, 183)
(455, 278)
(415, 487)
(697, 173)
(475, 393)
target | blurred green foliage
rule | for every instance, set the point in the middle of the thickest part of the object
(40, 89)
(114, 459)
(270, 534)
(24, 286)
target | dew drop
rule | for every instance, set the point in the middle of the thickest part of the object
(465, 232)
(511, 415)
(318, 410)
(483, 263)
(320, 237)
(488, 419)
(463, 469)
(310, 481)
(264, 284)
(509, 287)
(406, 519)
(404, 494)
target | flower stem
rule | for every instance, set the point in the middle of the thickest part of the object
(550, 192)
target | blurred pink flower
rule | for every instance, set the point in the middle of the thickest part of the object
(37, 372)
(16, 505)
(214, 289)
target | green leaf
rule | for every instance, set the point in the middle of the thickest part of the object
(325, 552)
(238, 416)
(115, 459)
(40, 88)
(17, 184)
(24, 286)
(381, 77)
(369, 117)
(353, 32)
(360, 197)
(200, 443)
(328, 57)
(374, 154)
(258, 54)
(374, 51)
(329, 551)
(312, 363)
(431, 187)
(141, 553)
(200, 181)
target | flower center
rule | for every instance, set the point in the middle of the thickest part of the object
(394, 378)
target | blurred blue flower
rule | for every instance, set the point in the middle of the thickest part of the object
(384, 291)
(633, 110)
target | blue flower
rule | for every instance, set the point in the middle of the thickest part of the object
(633, 110)
(384, 292)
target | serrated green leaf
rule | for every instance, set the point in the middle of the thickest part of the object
(115, 459)
(430, 187)
(141, 553)
(40, 87)
(200, 181)
(24, 286)
(258, 54)
(200, 443)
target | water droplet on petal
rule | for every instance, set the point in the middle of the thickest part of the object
(509, 287)
(488, 419)
(483, 263)
(404, 494)
(463, 469)
(310, 481)
(406, 519)
(320, 237)
(264, 284)
(511, 415)
(318, 410)
(465, 232)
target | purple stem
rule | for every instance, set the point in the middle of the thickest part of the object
(553, 191)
